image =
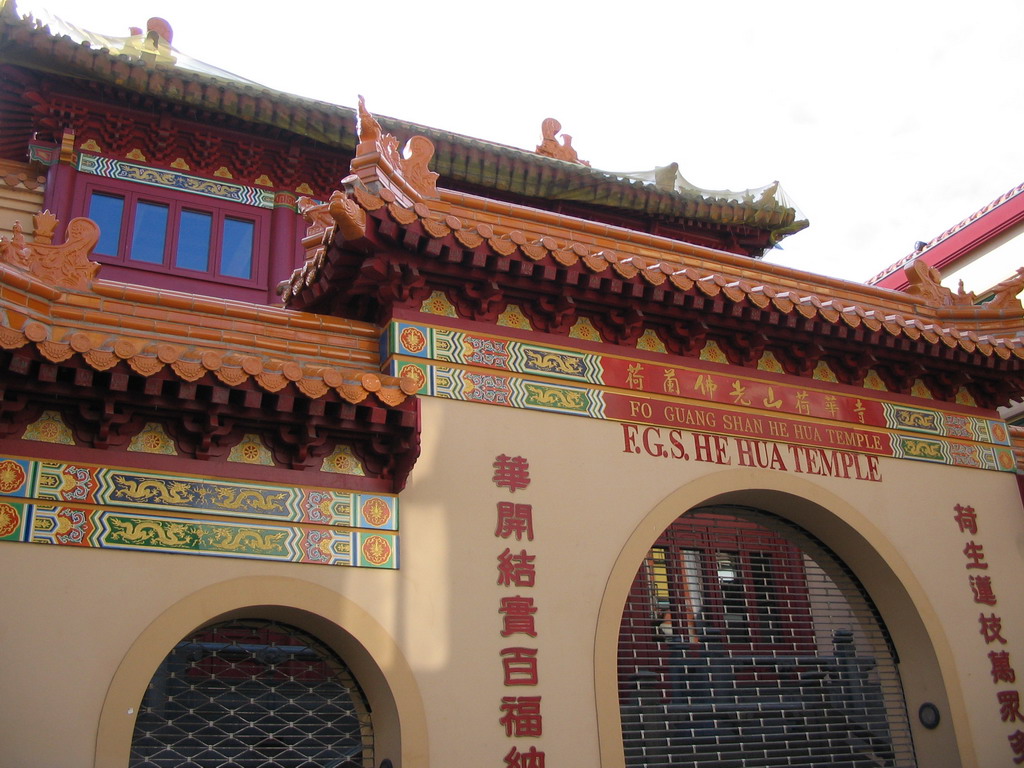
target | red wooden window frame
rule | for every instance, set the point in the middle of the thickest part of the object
(176, 202)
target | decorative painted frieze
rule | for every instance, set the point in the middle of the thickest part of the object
(475, 367)
(103, 507)
(175, 180)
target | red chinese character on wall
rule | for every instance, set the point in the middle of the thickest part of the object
(991, 628)
(521, 715)
(520, 665)
(981, 586)
(1017, 745)
(531, 758)
(974, 553)
(1001, 669)
(516, 569)
(1009, 706)
(517, 616)
(514, 520)
(511, 472)
(967, 519)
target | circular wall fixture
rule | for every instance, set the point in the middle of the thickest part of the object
(928, 714)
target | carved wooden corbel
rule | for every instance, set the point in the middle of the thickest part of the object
(206, 434)
(686, 338)
(550, 314)
(295, 445)
(743, 349)
(899, 377)
(799, 359)
(852, 367)
(620, 326)
(391, 458)
(106, 423)
(479, 301)
(15, 412)
(945, 384)
(390, 283)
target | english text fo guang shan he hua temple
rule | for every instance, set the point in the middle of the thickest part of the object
(400, 448)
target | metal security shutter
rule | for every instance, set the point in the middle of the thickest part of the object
(248, 694)
(745, 642)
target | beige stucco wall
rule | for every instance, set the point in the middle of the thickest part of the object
(19, 201)
(83, 629)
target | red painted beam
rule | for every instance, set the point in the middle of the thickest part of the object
(999, 217)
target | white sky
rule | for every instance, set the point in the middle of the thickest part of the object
(886, 122)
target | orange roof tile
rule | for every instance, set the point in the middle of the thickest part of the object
(504, 229)
(49, 298)
(463, 159)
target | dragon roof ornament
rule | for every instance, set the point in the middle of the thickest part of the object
(549, 146)
(65, 266)
(379, 164)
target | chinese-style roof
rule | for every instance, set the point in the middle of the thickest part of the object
(391, 226)
(63, 49)
(51, 300)
(111, 355)
(991, 222)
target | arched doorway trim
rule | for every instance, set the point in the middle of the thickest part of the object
(898, 595)
(371, 653)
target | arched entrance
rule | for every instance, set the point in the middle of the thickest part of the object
(252, 692)
(399, 719)
(745, 641)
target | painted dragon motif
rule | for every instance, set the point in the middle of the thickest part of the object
(234, 498)
(913, 419)
(153, 491)
(922, 449)
(246, 539)
(553, 361)
(150, 532)
(558, 398)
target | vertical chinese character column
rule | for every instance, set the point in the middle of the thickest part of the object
(991, 626)
(520, 714)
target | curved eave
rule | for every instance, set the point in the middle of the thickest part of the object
(192, 338)
(457, 157)
(555, 251)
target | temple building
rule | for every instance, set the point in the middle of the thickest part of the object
(400, 449)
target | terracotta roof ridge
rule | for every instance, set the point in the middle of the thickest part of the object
(229, 308)
(470, 212)
(154, 325)
(336, 130)
(191, 357)
(915, 316)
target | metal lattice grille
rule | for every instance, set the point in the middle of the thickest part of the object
(252, 694)
(744, 642)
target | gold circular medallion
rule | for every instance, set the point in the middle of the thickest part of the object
(12, 476)
(9, 519)
(413, 339)
(376, 550)
(376, 512)
(414, 372)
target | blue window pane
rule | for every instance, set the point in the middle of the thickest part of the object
(150, 233)
(236, 248)
(107, 211)
(193, 250)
